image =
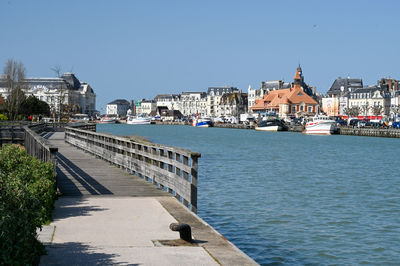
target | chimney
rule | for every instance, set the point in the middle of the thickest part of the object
(262, 85)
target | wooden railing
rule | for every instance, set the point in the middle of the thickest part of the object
(11, 133)
(37, 146)
(171, 169)
(84, 126)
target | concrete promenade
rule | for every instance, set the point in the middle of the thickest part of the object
(107, 217)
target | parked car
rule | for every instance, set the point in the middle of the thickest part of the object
(341, 122)
(364, 123)
(396, 124)
(353, 122)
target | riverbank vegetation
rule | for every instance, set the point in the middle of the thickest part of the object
(27, 194)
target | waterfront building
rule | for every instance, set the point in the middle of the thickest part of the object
(336, 100)
(266, 87)
(145, 107)
(214, 95)
(165, 114)
(66, 90)
(171, 101)
(370, 99)
(193, 103)
(343, 86)
(118, 107)
(293, 101)
(233, 104)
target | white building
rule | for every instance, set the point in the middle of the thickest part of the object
(66, 90)
(171, 101)
(214, 95)
(118, 107)
(233, 104)
(193, 103)
(369, 97)
(145, 107)
(251, 97)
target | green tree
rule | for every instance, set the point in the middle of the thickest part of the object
(34, 106)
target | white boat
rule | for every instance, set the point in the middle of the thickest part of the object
(108, 120)
(138, 120)
(320, 124)
(79, 118)
(202, 122)
(273, 124)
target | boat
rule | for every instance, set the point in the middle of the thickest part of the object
(138, 120)
(202, 122)
(76, 118)
(107, 120)
(271, 124)
(320, 124)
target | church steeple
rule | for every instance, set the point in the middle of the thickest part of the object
(298, 77)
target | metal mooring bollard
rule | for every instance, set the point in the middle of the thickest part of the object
(185, 232)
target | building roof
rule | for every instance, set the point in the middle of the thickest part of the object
(168, 96)
(341, 85)
(120, 102)
(221, 90)
(273, 99)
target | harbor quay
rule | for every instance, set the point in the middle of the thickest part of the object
(125, 201)
(343, 130)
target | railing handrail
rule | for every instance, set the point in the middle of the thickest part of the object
(170, 168)
(135, 139)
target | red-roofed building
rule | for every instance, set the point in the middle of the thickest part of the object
(288, 102)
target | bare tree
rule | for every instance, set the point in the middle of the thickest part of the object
(364, 109)
(61, 94)
(352, 111)
(347, 111)
(15, 79)
(377, 110)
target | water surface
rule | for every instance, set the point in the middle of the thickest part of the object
(288, 198)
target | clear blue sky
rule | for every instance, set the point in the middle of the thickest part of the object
(138, 49)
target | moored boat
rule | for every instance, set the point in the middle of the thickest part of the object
(320, 124)
(107, 120)
(138, 120)
(202, 122)
(273, 124)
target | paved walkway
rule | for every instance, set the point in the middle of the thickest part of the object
(108, 217)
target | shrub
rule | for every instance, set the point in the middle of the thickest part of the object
(3, 117)
(27, 194)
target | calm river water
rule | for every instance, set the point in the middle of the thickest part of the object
(289, 198)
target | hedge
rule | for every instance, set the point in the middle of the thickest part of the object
(27, 195)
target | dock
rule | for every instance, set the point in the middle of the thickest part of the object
(108, 215)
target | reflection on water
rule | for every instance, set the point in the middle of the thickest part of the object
(291, 198)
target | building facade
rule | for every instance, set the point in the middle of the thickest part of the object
(66, 90)
(289, 102)
(336, 100)
(171, 101)
(214, 95)
(118, 107)
(145, 107)
(372, 101)
(193, 103)
(233, 104)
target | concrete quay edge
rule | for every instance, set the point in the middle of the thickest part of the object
(221, 249)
